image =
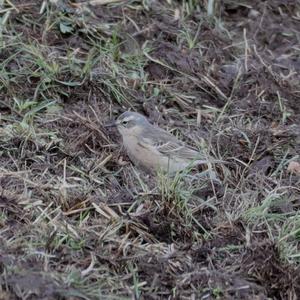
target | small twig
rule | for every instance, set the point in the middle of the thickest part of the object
(95, 2)
(246, 49)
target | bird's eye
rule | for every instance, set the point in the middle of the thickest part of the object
(125, 122)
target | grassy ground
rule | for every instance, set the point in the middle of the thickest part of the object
(78, 220)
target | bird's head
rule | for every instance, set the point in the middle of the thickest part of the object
(131, 123)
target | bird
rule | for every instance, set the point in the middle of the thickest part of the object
(154, 148)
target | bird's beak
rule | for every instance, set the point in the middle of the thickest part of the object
(110, 124)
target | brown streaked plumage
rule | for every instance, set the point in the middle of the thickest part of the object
(153, 147)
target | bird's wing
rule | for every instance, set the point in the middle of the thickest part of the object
(179, 150)
(167, 144)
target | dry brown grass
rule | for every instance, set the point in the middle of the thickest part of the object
(78, 220)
